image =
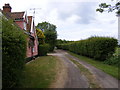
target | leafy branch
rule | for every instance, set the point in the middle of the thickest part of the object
(110, 8)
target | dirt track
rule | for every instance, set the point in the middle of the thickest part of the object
(72, 77)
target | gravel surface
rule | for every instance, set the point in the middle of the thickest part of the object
(73, 78)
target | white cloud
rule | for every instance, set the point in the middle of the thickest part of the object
(75, 19)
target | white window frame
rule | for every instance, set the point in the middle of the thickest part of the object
(24, 24)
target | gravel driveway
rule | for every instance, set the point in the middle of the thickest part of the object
(73, 77)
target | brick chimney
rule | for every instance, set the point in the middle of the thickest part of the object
(7, 8)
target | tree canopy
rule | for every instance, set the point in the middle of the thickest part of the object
(50, 33)
(45, 26)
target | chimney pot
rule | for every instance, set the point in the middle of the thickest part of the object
(7, 8)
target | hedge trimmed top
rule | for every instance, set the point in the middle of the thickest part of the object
(99, 48)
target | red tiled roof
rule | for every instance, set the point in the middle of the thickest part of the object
(17, 15)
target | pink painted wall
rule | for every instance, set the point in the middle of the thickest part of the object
(20, 24)
(29, 52)
(36, 44)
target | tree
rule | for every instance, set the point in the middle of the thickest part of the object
(60, 41)
(45, 26)
(43, 48)
(49, 32)
(109, 8)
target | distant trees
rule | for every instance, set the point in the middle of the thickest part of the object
(60, 41)
(50, 33)
(110, 8)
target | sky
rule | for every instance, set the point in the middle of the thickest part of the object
(75, 19)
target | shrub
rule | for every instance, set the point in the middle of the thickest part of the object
(43, 49)
(13, 53)
(114, 60)
(50, 38)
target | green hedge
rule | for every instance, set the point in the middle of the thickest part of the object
(13, 53)
(99, 48)
(43, 49)
(114, 60)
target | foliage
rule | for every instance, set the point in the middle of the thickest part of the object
(40, 36)
(51, 39)
(40, 33)
(99, 48)
(43, 49)
(109, 7)
(59, 41)
(114, 60)
(45, 26)
(13, 53)
(50, 33)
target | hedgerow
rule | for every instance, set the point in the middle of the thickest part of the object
(99, 48)
(13, 53)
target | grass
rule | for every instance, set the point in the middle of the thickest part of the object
(91, 79)
(39, 73)
(111, 70)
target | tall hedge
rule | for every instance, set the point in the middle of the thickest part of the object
(99, 48)
(13, 53)
(51, 39)
(43, 49)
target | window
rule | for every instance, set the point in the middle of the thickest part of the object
(24, 24)
(33, 49)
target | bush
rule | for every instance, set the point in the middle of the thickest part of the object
(50, 38)
(13, 53)
(99, 48)
(114, 60)
(43, 49)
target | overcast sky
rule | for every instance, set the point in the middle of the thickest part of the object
(75, 19)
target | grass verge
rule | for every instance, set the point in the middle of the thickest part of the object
(40, 72)
(111, 70)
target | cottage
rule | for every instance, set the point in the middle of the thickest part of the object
(27, 24)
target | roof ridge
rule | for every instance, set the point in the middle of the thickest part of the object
(18, 12)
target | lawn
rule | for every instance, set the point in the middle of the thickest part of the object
(111, 70)
(40, 72)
